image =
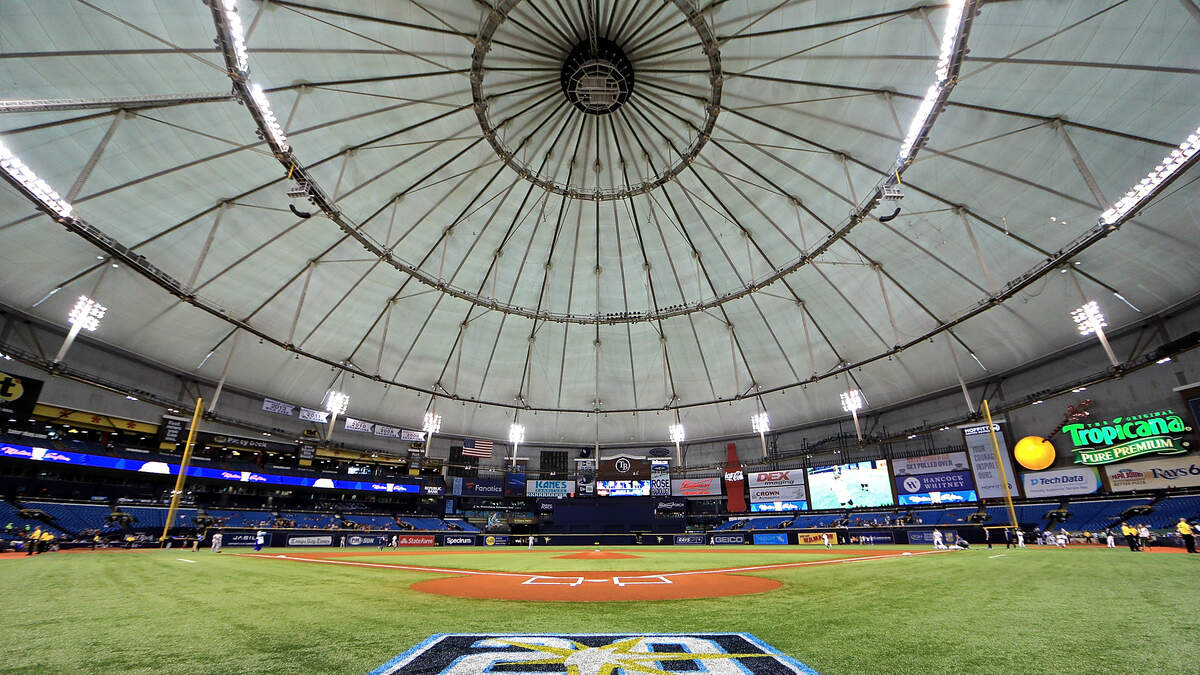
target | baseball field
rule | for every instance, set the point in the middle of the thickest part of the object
(876, 609)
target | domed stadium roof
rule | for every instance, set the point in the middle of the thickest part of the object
(559, 207)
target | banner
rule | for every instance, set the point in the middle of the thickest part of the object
(734, 481)
(384, 431)
(238, 539)
(18, 395)
(936, 488)
(723, 538)
(482, 487)
(496, 540)
(775, 507)
(352, 424)
(696, 487)
(410, 435)
(783, 493)
(1154, 474)
(321, 540)
(514, 479)
(926, 536)
(660, 478)
(278, 407)
(416, 540)
(689, 540)
(89, 420)
(1159, 433)
(949, 461)
(815, 537)
(1076, 480)
(585, 476)
(557, 489)
(458, 540)
(368, 539)
(770, 539)
(310, 415)
(988, 483)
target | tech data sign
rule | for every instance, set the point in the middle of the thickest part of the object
(1123, 438)
(593, 654)
(1078, 480)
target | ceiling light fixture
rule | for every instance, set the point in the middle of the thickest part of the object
(27, 181)
(1171, 165)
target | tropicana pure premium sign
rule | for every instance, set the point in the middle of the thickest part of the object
(1123, 438)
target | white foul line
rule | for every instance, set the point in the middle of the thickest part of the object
(186, 560)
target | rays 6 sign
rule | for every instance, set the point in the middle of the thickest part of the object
(777, 486)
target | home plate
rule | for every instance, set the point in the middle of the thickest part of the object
(555, 581)
(633, 581)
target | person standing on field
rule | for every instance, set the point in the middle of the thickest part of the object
(217, 538)
(1130, 535)
(1020, 538)
(1108, 539)
(825, 539)
(1189, 536)
(937, 539)
(1144, 537)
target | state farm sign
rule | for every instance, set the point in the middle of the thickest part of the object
(696, 487)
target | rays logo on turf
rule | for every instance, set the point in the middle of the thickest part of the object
(593, 654)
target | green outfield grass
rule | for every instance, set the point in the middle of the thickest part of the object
(1044, 611)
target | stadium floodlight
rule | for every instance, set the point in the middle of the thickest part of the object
(676, 433)
(761, 424)
(29, 182)
(852, 402)
(85, 315)
(259, 98)
(337, 403)
(1173, 164)
(432, 423)
(516, 436)
(1089, 319)
(237, 35)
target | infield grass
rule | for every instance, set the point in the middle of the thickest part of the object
(1029, 611)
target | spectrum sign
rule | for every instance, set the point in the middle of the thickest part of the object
(1123, 438)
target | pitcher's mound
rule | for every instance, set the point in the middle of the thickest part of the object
(596, 555)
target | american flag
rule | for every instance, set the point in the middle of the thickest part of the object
(474, 447)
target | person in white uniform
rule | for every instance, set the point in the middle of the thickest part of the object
(1020, 538)
(937, 539)
(216, 542)
(825, 538)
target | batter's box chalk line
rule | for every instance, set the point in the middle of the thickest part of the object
(652, 579)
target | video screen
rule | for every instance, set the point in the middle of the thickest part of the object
(623, 488)
(848, 486)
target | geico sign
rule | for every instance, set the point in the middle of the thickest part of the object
(772, 478)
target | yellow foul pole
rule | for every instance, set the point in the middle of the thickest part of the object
(1012, 513)
(177, 493)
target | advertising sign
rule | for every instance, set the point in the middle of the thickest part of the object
(482, 487)
(926, 536)
(724, 538)
(1123, 438)
(689, 540)
(514, 480)
(319, 540)
(872, 538)
(774, 507)
(622, 488)
(696, 487)
(735, 479)
(367, 540)
(815, 537)
(558, 489)
(850, 485)
(782, 493)
(18, 395)
(416, 540)
(936, 488)
(988, 483)
(458, 540)
(947, 461)
(240, 539)
(496, 540)
(1154, 474)
(278, 407)
(770, 539)
(660, 478)
(1076, 480)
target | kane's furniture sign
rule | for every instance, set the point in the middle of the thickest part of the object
(1155, 474)
(557, 489)
(1077, 480)
(1123, 438)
